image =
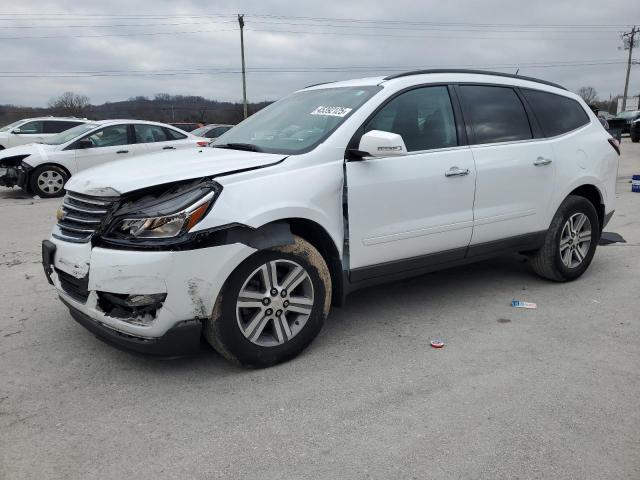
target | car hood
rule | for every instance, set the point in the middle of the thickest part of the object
(128, 175)
(36, 149)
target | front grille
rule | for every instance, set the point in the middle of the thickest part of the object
(82, 216)
(76, 288)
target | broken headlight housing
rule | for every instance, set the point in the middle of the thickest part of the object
(167, 215)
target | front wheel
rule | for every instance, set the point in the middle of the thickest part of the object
(272, 306)
(570, 242)
(48, 181)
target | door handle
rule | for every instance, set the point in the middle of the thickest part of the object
(542, 161)
(122, 151)
(457, 172)
(168, 148)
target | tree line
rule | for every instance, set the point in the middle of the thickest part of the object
(162, 107)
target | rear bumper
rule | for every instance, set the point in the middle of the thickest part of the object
(181, 339)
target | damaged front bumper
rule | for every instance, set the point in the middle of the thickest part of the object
(106, 290)
(13, 176)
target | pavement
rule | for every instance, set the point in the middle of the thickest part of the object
(530, 394)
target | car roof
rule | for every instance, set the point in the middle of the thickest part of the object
(448, 76)
(74, 119)
(129, 120)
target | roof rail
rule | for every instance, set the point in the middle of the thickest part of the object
(477, 72)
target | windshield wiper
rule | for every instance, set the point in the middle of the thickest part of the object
(249, 147)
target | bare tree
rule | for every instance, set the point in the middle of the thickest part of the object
(70, 104)
(588, 94)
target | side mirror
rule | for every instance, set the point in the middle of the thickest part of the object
(17, 131)
(377, 143)
(84, 143)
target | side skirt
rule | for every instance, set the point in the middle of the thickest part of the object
(398, 270)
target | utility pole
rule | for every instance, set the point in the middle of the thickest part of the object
(631, 38)
(244, 77)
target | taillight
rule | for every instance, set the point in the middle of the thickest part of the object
(615, 144)
(202, 143)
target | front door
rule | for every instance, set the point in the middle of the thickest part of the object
(405, 210)
(105, 145)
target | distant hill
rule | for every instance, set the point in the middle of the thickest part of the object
(161, 108)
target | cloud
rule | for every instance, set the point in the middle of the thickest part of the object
(286, 44)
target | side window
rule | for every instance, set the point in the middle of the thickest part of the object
(174, 135)
(423, 117)
(31, 127)
(216, 132)
(556, 114)
(495, 114)
(109, 137)
(150, 133)
(55, 126)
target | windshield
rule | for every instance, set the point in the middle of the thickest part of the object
(629, 114)
(199, 132)
(70, 134)
(10, 126)
(298, 123)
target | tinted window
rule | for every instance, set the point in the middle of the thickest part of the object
(53, 126)
(556, 114)
(216, 132)
(175, 135)
(423, 117)
(109, 137)
(150, 133)
(495, 114)
(31, 127)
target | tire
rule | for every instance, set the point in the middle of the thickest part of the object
(48, 181)
(635, 139)
(265, 326)
(567, 262)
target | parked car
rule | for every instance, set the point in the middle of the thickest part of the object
(623, 121)
(211, 131)
(634, 131)
(34, 130)
(44, 168)
(333, 188)
(186, 126)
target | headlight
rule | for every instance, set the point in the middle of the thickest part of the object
(170, 216)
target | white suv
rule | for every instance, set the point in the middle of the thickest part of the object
(44, 168)
(33, 130)
(333, 188)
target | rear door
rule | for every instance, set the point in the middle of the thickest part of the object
(514, 165)
(402, 210)
(155, 138)
(110, 143)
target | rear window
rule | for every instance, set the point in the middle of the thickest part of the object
(495, 114)
(555, 113)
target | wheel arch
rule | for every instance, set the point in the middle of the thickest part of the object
(46, 164)
(594, 195)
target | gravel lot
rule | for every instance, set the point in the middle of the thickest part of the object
(546, 393)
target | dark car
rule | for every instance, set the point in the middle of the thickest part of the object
(212, 131)
(623, 120)
(635, 131)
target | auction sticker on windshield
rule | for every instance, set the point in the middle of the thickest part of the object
(331, 111)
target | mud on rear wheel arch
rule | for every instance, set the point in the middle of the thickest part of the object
(591, 193)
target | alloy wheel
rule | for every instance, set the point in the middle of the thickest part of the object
(50, 182)
(274, 303)
(575, 240)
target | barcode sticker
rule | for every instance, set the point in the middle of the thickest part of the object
(331, 111)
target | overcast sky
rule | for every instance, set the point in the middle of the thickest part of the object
(498, 33)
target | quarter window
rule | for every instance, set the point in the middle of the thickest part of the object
(495, 114)
(423, 117)
(109, 137)
(175, 135)
(150, 133)
(556, 114)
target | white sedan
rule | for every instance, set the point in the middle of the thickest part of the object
(44, 168)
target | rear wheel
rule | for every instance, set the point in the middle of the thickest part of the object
(272, 306)
(48, 181)
(570, 242)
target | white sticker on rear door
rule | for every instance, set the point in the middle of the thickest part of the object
(331, 111)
